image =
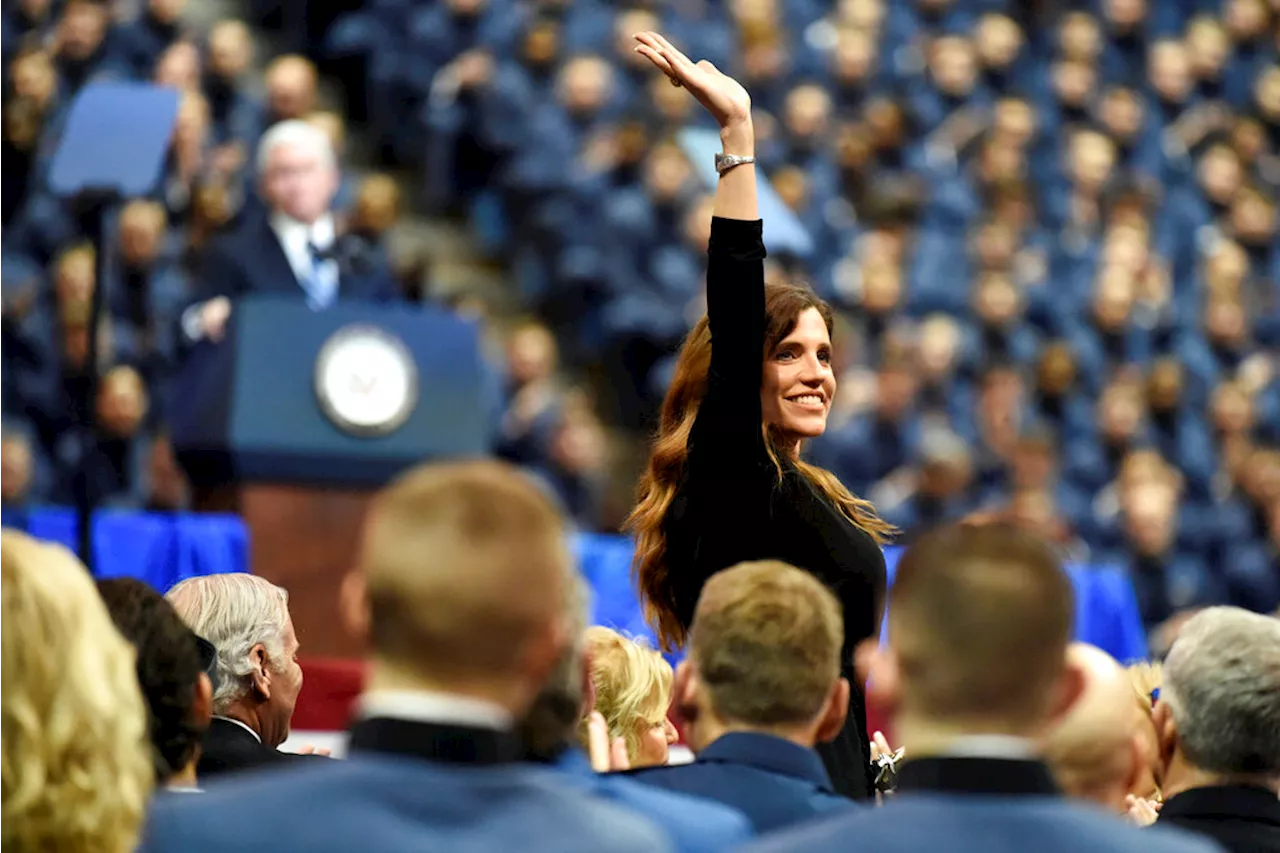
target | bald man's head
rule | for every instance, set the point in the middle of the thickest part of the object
(291, 87)
(1094, 751)
(463, 568)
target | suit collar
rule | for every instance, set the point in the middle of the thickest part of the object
(433, 707)
(230, 726)
(450, 743)
(1248, 802)
(770, 753)
(994, 776)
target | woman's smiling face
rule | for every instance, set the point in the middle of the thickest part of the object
(798, 381)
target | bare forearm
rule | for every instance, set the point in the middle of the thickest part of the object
(736, 189)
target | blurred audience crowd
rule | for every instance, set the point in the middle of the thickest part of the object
(1050, 230)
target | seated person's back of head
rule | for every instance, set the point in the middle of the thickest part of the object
(77, 763)
(247, 620)
(1218, 721)
(550, 730)
(458, 594)
(761, 686)
(1096, 751)
(632, 686)
(171, 673)
(973, 677)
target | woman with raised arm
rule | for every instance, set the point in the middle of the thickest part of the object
(725, 482)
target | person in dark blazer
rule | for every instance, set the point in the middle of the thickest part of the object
(550, 729)
(458, 593)
(760, 687)
(973, 676)
(246, 618)
(1218, 721)
(172, 674)
(295, 248)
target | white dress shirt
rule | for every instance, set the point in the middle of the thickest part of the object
(318, 280)
(421, 706)
(991, 746)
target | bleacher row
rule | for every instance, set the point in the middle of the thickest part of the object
(1051, 229)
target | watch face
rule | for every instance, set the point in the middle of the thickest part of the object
(366, 381)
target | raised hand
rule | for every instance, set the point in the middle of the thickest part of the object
(720, 94)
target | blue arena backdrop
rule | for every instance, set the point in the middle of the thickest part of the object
(163, 549)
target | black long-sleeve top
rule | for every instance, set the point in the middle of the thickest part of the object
(732, 506)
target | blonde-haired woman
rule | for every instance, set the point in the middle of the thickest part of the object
(1145, 797)
(632, 686)
(77, 768)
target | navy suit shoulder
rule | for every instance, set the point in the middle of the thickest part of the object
(392, 804)
(985, 824)
(775, 783)
(695, 824)
(230, 748)
(1242, 818)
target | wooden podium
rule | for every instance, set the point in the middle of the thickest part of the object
(303, 539)
(297, 417)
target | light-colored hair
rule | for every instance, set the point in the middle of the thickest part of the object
(552, 721)
(632, 684)
(296, 132)
(234, 612)
(77, 766)
(980, 618)
(1146, 678)
(766, 641)
(784, 303)
(464, 565)
(1222, 683)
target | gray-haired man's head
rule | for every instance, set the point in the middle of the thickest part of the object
(246, 618)
(297, 170)
(1219, 709)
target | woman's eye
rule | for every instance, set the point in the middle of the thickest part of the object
(824, 356)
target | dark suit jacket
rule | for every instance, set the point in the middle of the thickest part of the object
(228, 748)
(250, 259)
(774, 782)
(1241, 818)
(979, 805)
(407, 786)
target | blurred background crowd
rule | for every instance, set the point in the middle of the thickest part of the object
(1050, 231)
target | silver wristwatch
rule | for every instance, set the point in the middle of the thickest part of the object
(725, 162)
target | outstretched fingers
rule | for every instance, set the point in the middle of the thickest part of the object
(656, 58)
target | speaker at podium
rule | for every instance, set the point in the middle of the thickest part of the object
(297, 416)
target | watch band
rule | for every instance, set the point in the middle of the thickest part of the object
(725, 162)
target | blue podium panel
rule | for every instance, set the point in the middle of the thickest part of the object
(249, 408)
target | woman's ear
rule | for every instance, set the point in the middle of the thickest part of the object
(202, 705)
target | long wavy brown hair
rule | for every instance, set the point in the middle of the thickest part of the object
(784, 303)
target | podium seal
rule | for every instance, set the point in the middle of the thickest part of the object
(366, 381)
